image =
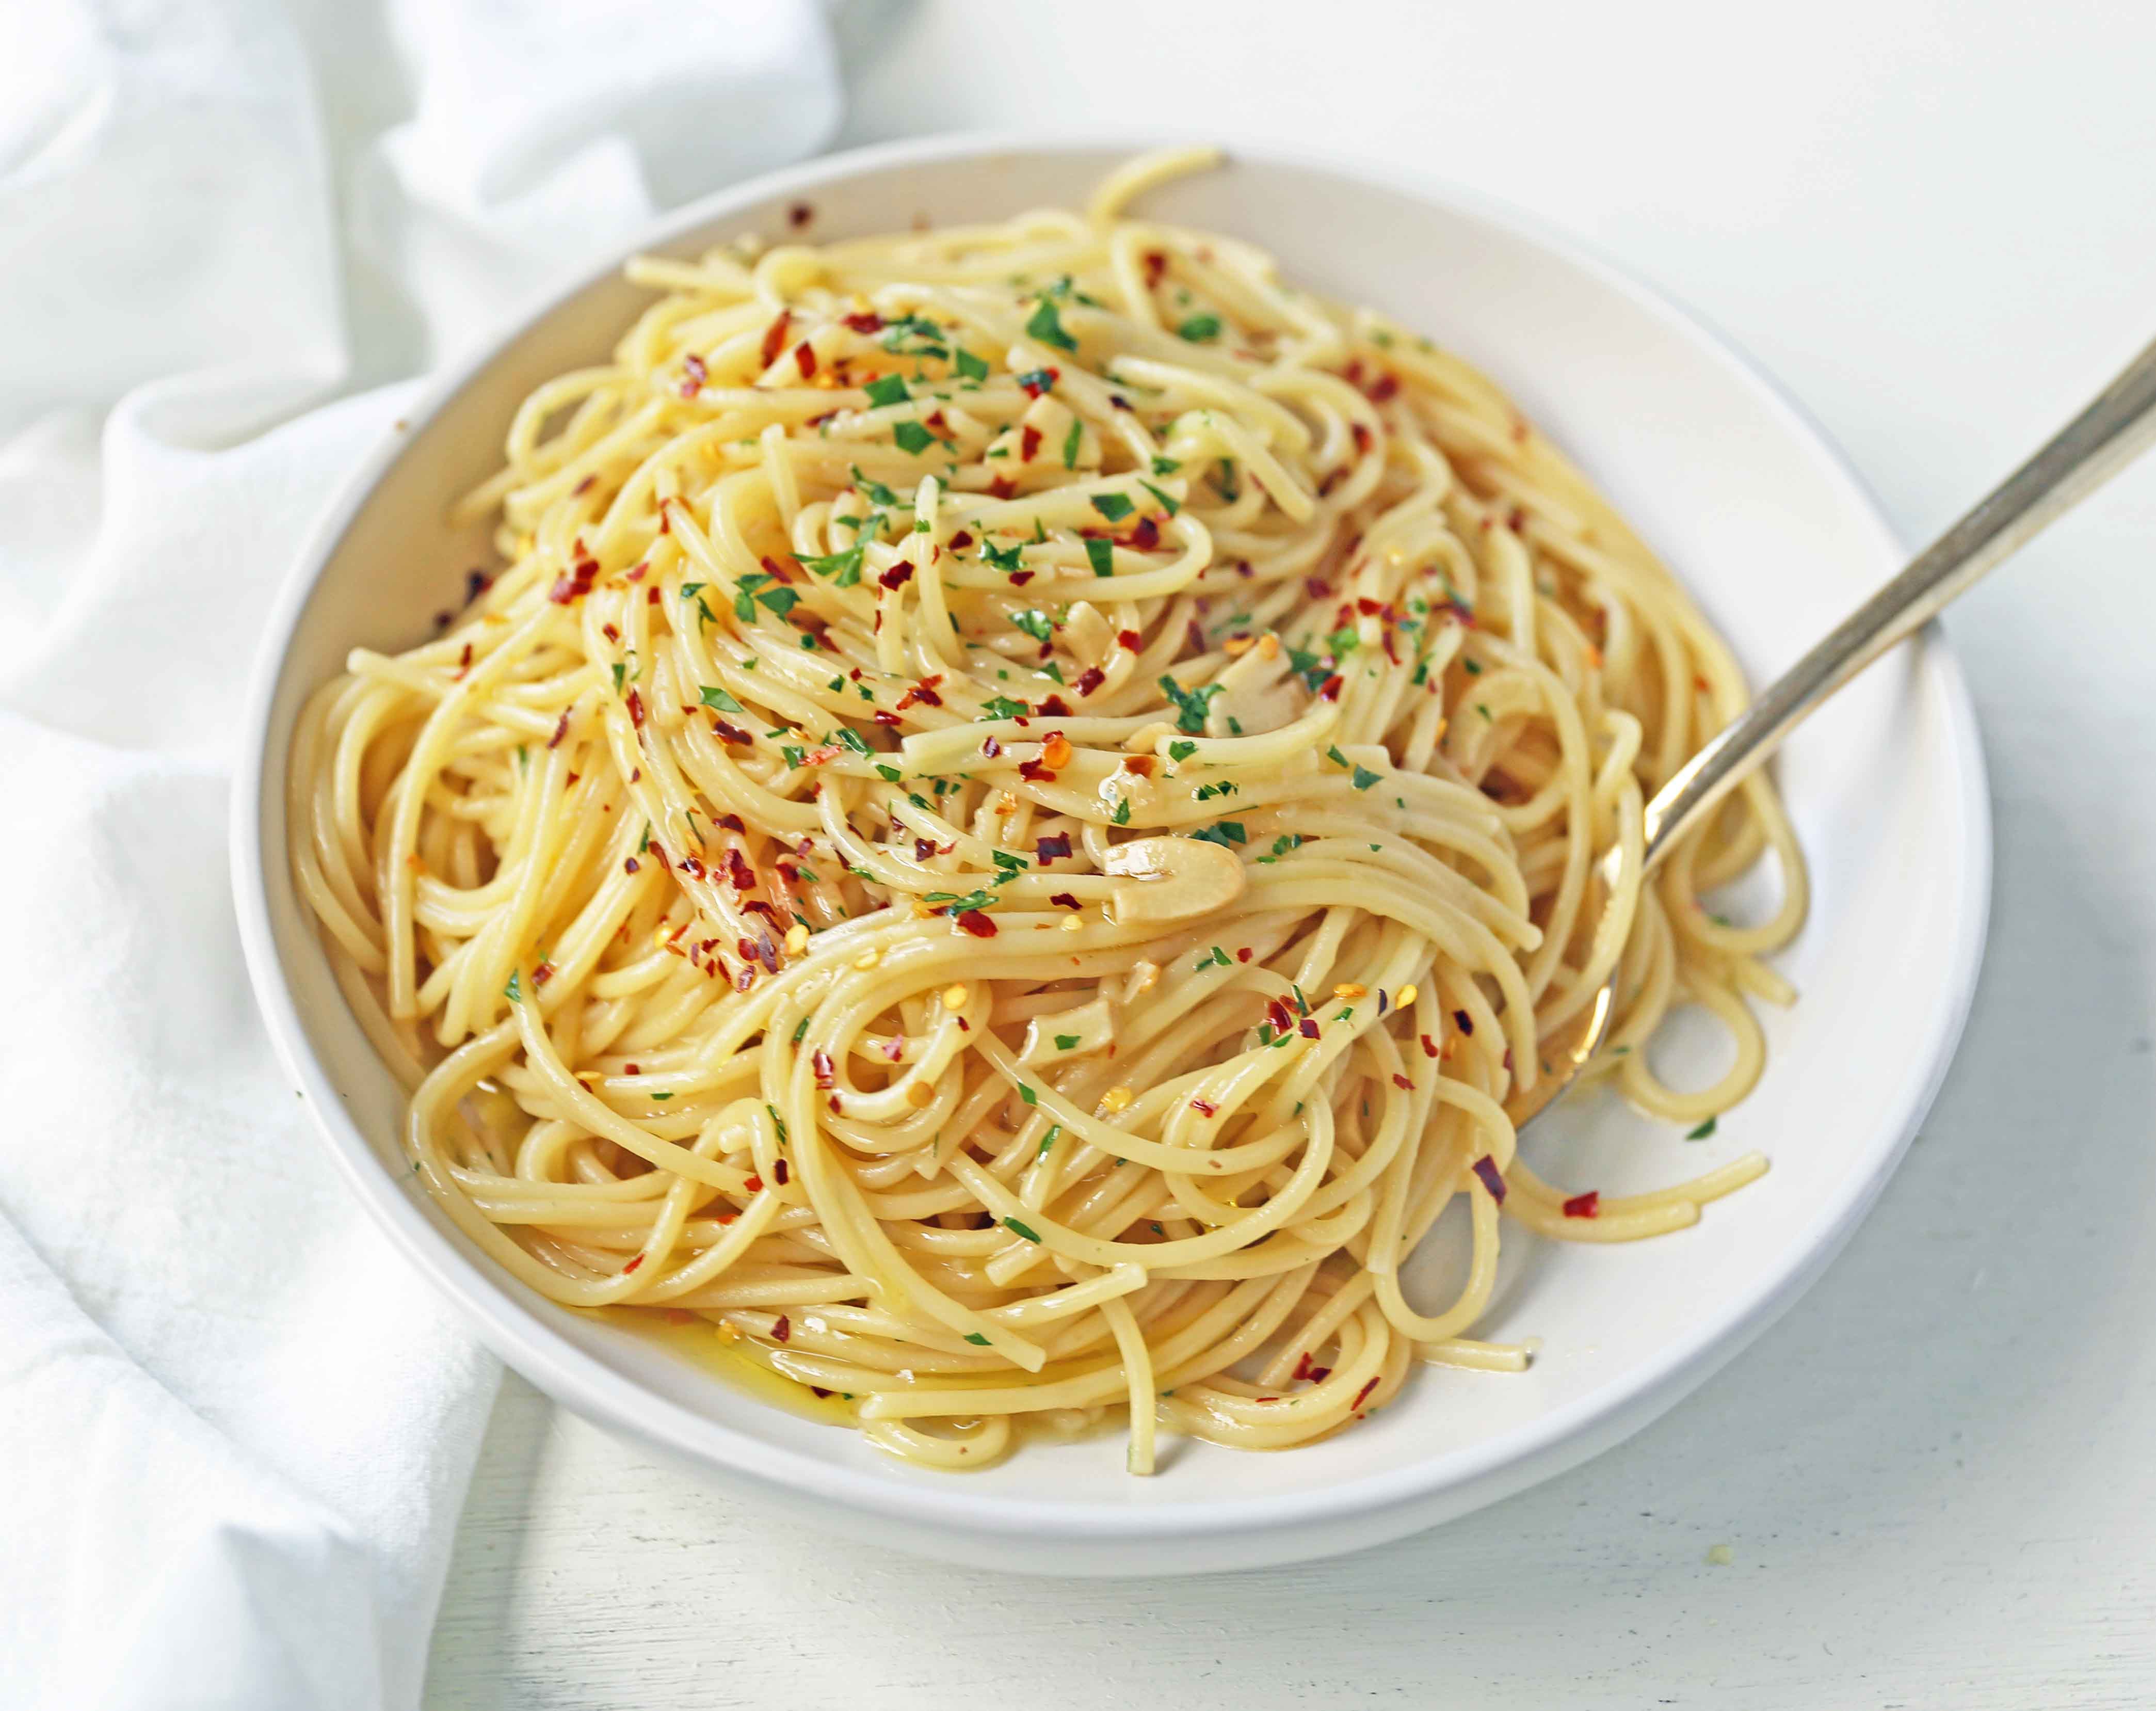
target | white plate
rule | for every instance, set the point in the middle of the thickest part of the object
(1717, 469)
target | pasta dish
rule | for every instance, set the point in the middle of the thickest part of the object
(1003, 838)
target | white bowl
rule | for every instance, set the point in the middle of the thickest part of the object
(1717, 469)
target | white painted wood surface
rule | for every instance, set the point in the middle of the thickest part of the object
(1936, 1479)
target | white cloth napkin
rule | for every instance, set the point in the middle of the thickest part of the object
(234, 1432)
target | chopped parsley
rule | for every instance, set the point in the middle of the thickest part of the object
(877, 493)
(719, 699)
(888, 389)
(1011, 1223)
(1114, 506)
(1066, 1042)
(969, 367)
(1047, 326)
(911, 436)
(1227, 832)
(1035, 623)
(1190, 704)
(1200, 329)
(1102, 556)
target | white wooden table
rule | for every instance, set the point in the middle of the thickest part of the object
(1936, 1479)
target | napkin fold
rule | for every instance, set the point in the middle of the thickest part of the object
(235, 1431)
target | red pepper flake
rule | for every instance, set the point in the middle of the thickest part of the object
(731, 733)
(1362, 436)
(658, 855)
(774, 337)
(1383, 387)
(1329, 689)
(1035, 772)
(1318, 1375)
(1091, 679)
(1019, 579)
(731, 822)
(1145, 534)
(1202, 1107)
(1318, 588)
(799, 215)
(1064, 900)
(922, 694)
(1403, 1083)
(1361, 1395)
(1156, 265)
(781, 1173)
(961, 541)
(1056, 846)
(975, 923)
(1307, 1027)
(561, 730)
(1586, 1205)
(881, 718)
(991, 747)
(628, 864)
(1028, 443)
(1003, 487)
(923, 848)
(739, 871)
(783, 1329)
(897, 577)
(804, 359)
(826, 1075)
(1053, 708)
(1129, 639)
(1242, 955)
(1428, 1047)
(582, 487)
(1141, 766)
(1036, 384)
(1486, 1167)
(635, 709)
(867, 323)
(754, 1185)
(744, 980)
(632, 1265)
(568, 589)
(693, 375)
(1463, 1021)
(1278, 1017)
(825, 755)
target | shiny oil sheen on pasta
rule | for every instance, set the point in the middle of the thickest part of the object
(1015, 811)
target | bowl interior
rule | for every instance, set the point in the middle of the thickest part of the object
(1714, 470)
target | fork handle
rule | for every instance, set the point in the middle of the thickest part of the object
(2118, 424)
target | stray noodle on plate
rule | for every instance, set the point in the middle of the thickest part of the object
(1012, 818)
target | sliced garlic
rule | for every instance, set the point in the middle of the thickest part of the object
(1171, 879)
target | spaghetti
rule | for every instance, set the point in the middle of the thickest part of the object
(1018, 810)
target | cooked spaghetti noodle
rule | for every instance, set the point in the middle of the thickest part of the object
(1016, 813)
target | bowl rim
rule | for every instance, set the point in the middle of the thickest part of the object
(509, 1325)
